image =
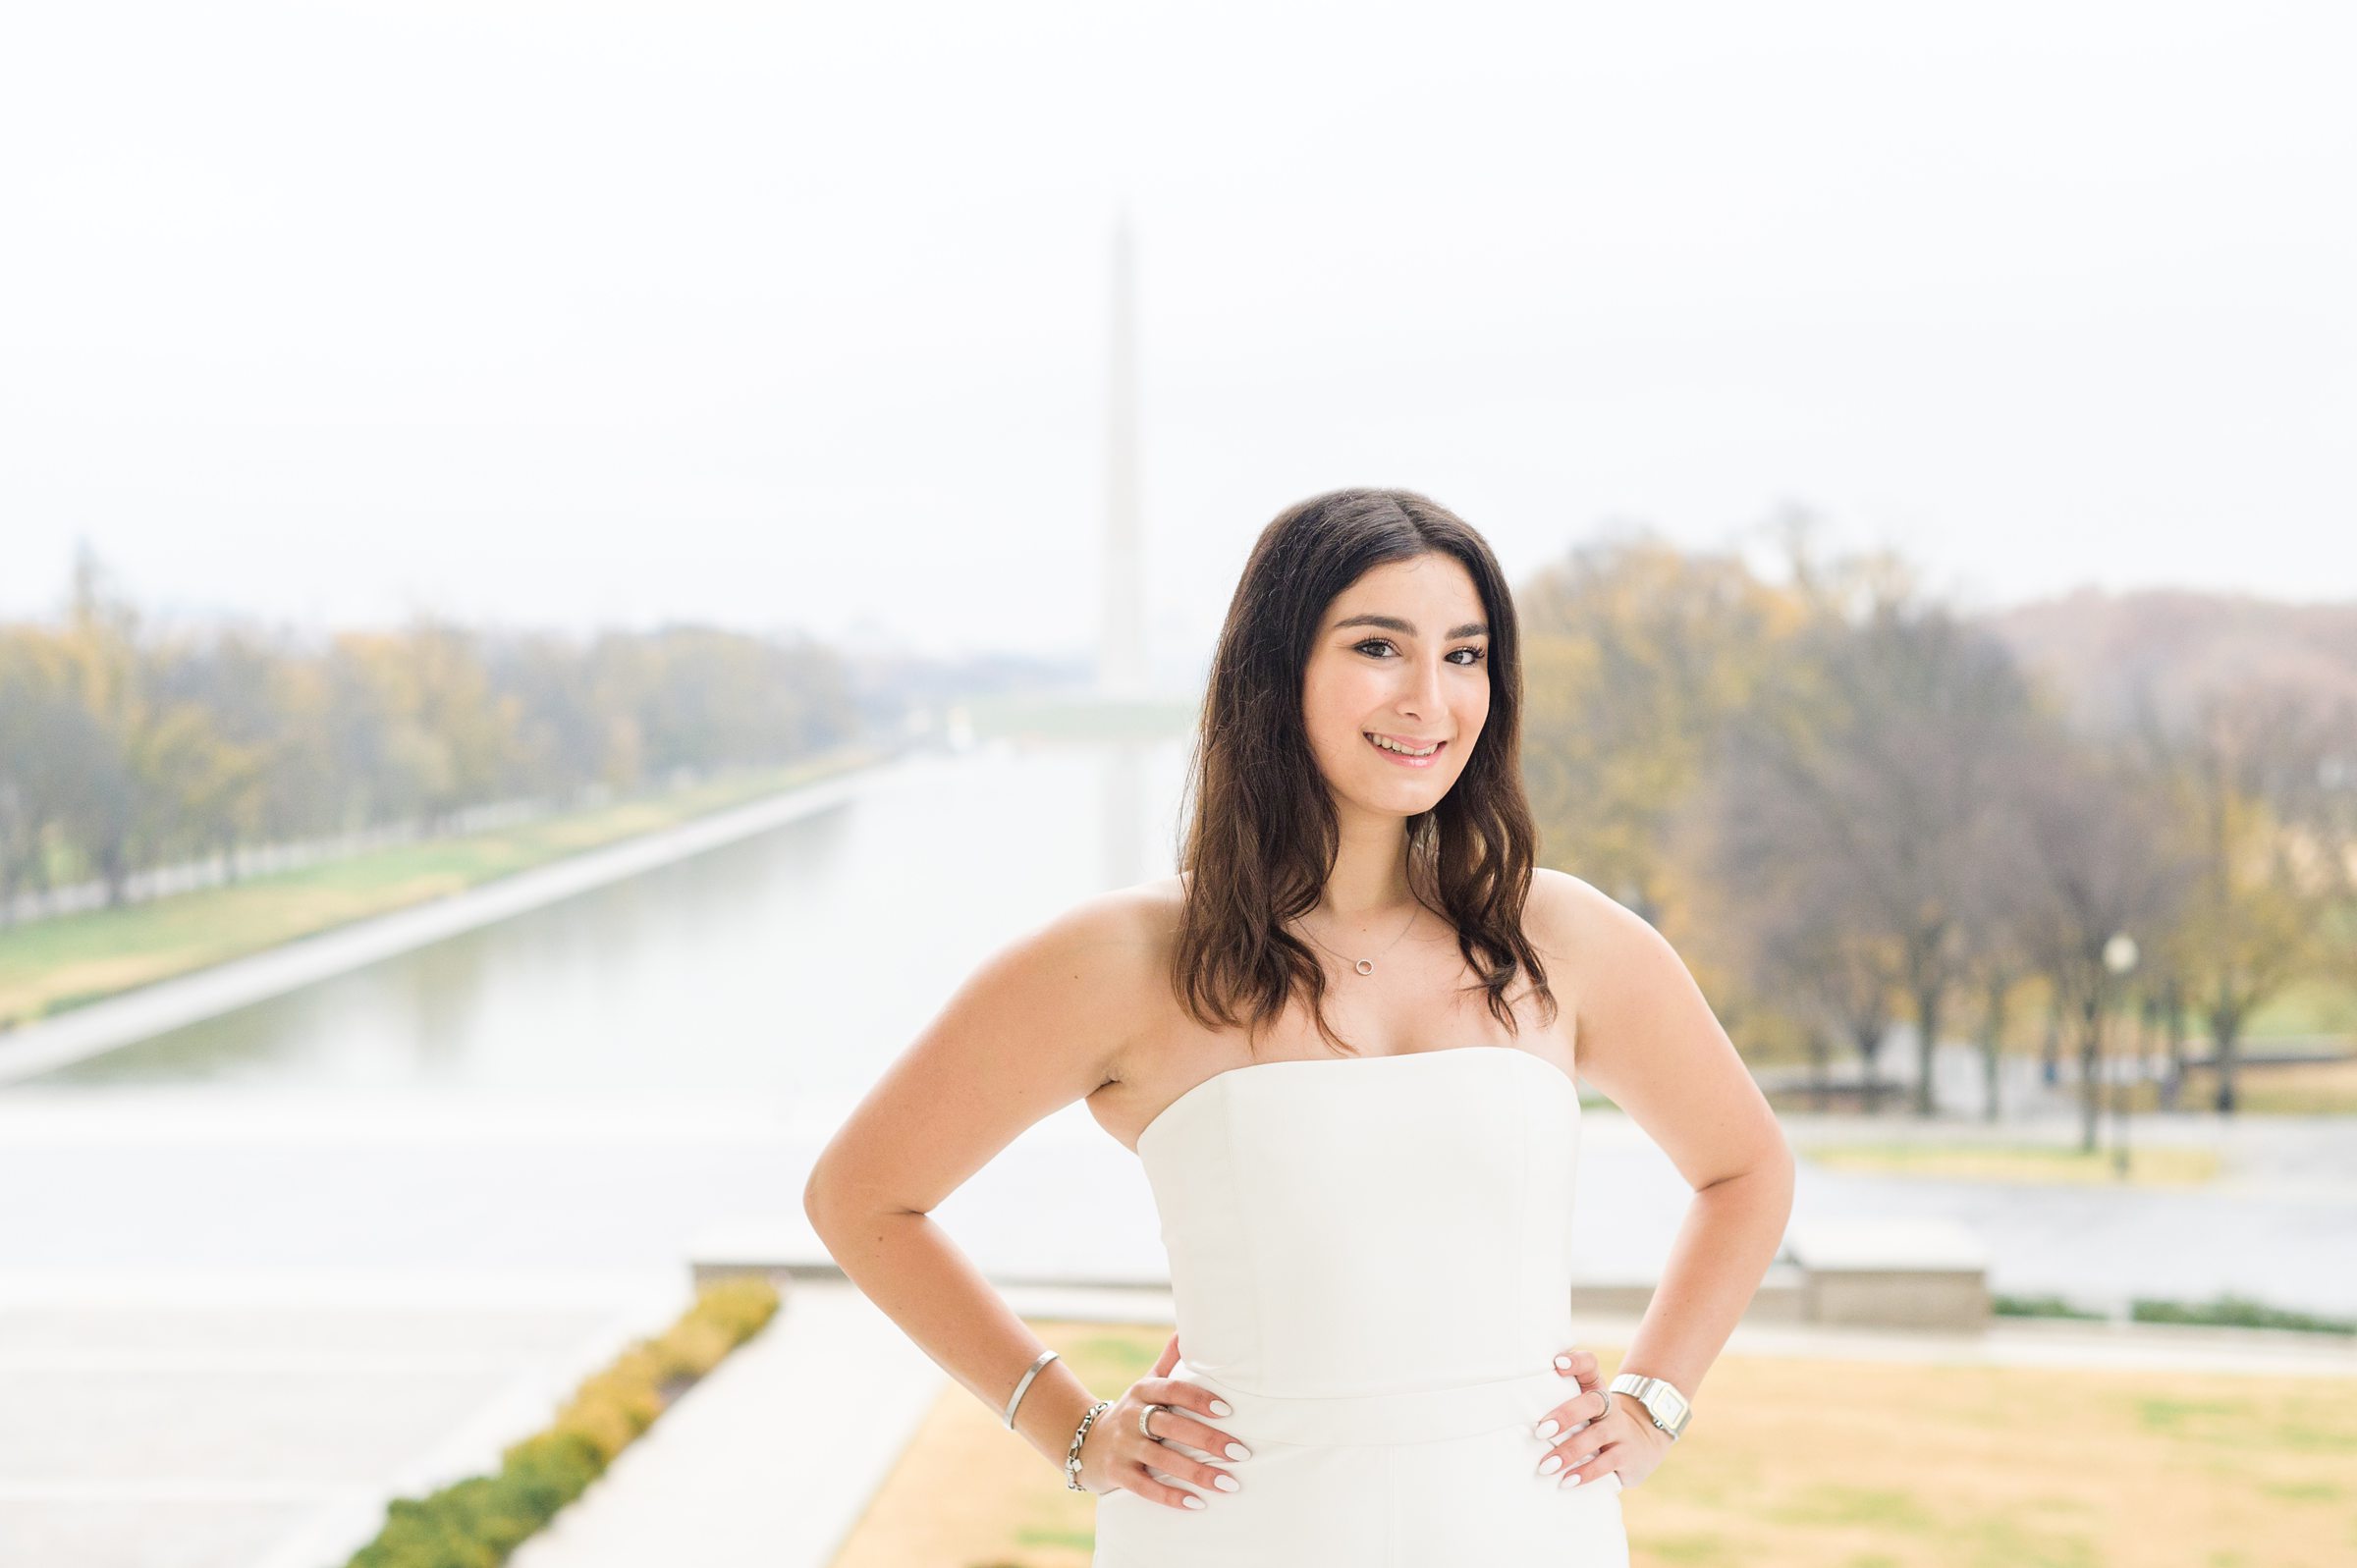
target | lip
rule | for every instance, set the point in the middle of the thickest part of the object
(1398, 760)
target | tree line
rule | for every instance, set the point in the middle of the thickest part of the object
(1854, 806)
(124, 746)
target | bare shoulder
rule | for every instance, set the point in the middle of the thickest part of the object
(1036, 1026)
(1605, 952)
(1124, 926)
(1120, 942)
(1569, 921)
(1076, 985)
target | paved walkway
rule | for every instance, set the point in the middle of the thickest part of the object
(257, 1419)
(770, 1460)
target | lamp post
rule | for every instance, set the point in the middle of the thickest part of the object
(2120, 956)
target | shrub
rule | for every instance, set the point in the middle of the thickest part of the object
(478, 1522)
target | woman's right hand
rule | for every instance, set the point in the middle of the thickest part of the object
(1117, 1456)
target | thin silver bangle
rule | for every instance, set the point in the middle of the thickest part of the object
(1017, 1397)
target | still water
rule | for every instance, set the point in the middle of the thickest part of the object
(799, 959)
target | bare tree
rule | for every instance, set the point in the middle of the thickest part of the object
(47, 740)
(2098, 831)
(1842, 975)
(1995, 955)
(1881, 756)
(1808, 938)
(2250, 772)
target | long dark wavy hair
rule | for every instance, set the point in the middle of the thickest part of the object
(1264, 834)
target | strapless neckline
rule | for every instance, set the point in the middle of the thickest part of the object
(1200, 1090)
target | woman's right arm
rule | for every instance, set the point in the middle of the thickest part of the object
(1036, 1027)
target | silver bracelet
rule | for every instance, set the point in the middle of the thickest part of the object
(1017, 1397)
(1071, 1455)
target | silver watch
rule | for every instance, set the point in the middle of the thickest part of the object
(1669, 1408)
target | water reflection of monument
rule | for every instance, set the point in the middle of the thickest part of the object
(1130, 855)
(1121, 631)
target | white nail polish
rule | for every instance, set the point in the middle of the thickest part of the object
(1193, 1501)
(1572, 1480)
(1237, 1450)
(1221, 1407)
(1550, 1464)
(1547, 1428)
(1226, 1483)
(1563, 1363)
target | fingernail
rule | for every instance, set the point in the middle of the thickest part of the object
(1550, 1464)
(1221, 1407)
(1226, 1483)
(1571, 1479)
(1547, 1428)
(1193, 1501)
(1563, 1363)
(1237, 1450)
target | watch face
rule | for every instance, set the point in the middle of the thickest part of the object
(1673, 1403)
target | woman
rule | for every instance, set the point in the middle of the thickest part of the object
(1342, 1041)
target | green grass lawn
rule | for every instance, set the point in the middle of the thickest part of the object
(1796, 1464)
(2154, 1167)
(50, 965)
(2307, 1007)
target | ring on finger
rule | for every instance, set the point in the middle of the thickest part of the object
(1145, 1413)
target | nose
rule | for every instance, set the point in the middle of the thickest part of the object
(1423, 694)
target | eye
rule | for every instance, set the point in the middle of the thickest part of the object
(1479, 654)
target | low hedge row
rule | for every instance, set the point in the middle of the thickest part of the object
(478, 1522)
(2227, 1310)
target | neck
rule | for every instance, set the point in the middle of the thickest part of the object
(1367, 893)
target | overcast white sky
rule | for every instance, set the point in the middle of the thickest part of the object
(795, 316)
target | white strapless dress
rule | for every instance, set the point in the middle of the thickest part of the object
(1370, 1262)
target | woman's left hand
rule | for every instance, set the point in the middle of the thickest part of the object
(1592, 1432)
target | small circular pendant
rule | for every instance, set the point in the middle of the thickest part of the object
(1366, 966)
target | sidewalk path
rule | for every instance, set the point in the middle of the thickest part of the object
(260, 1419)
(768, 1461)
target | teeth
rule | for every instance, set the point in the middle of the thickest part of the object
(1403, 751)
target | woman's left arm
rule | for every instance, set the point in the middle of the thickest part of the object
(1647, 1038)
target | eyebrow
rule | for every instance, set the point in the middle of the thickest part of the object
(1408, 628)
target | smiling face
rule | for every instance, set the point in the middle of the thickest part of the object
(1401, 655)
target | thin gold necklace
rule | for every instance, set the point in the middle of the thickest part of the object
(1366, 966)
